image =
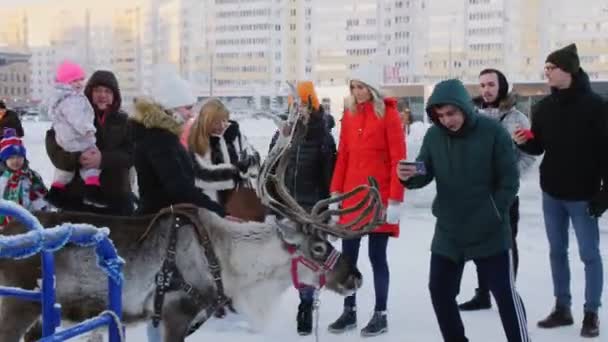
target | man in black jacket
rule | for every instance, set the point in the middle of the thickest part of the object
(570, 126)
(114, 153)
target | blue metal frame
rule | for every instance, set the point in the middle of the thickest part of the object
(51, 312)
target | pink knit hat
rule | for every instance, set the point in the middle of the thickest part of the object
(69, 72)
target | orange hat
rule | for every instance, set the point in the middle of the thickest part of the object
(306, 89)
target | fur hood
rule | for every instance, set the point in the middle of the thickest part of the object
(505, 105)
(152, 115)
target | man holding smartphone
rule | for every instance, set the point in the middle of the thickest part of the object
(472, 160)
(496, 102)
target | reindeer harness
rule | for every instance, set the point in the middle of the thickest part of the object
(169, 278)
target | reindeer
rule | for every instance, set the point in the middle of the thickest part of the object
(215, 258)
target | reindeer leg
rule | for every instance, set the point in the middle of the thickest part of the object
(177, 316)
(17, 315)
(34, 332)
(153, 333)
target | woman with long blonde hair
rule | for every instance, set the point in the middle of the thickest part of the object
(371, 144)
(221, 156)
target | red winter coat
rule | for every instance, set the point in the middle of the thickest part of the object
(370, 146)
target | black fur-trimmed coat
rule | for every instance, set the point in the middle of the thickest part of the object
(164, 169)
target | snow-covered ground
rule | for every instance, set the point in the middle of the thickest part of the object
(411, 315)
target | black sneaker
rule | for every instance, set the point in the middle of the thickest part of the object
(94, 197)
(559, 317)
(304, 319)
(377, 325)
(346, 321)
(591, 325)
(480, 301)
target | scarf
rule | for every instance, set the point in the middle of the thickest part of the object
(22, 187)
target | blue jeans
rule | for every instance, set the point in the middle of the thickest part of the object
(307, 294)
(377, 255)
(558, 214)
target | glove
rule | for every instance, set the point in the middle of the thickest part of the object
(598, 204)
(393, 212)
(244, 163)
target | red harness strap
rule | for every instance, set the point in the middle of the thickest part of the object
(327, 265)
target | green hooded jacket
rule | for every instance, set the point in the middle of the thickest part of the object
(476, 175)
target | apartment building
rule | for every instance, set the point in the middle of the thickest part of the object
(247, 39)
(587, 26)
(14, 29)
(404, 37)
(126, 51)
(14, 78)
(43, 65)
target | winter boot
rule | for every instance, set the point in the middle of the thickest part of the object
(220, 312)
(230, 306)
(94, 197)
(591, 325)
(559, 317)
(377, 325)
(304, 319)
(480, 301)
(346, 321)
(57, 196)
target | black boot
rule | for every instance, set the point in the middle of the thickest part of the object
(376, 326)
(94, 197)
(304, 319)
(591, 325)
(559, 317)
(346, 321)
(480, 301)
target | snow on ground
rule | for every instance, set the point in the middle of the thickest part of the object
(411, 315)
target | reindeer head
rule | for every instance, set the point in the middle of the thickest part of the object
(307, 232)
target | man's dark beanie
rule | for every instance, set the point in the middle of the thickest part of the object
(566, 59)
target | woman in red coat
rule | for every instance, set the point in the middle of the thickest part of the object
(371, 144)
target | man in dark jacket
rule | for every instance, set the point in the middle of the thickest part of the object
(165, 174)
(570, 126)
(114, 155)
(308, 179)
(472, 160)
(10, 119)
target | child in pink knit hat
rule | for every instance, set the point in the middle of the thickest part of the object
(74, 124)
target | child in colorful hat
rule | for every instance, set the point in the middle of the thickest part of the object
(19, 183)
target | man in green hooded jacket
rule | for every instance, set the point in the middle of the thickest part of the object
(472, 160)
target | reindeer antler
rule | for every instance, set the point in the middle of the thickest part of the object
(271, 188)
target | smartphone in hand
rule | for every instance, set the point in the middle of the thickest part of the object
(420, 167)
(526, 132)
